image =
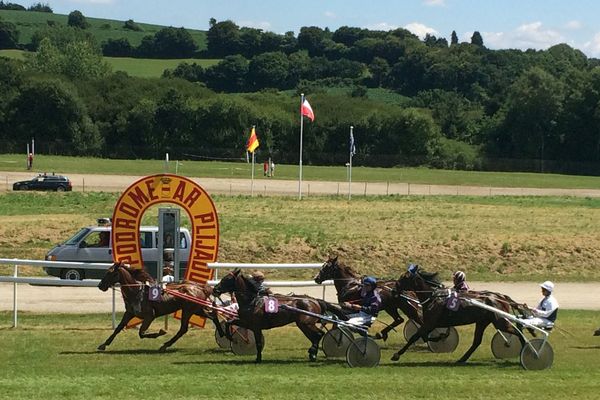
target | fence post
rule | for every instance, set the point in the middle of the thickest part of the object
(114, 316)
(15, 297)
(338, 192)
(365, 189)
(324, 291)
(387, 190)
(408, 189)
(230, 189)
(308, 194)
(83, 179)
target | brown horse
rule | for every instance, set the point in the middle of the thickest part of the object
(253, 315)
(436, 313)
(135, 295)
(348, 286)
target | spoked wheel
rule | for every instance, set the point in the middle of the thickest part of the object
(335, 342)
(243, 342)
(222, 341)
(410, 328)
(506, 345)
(363, 352)
(535, 357)
(447, 342)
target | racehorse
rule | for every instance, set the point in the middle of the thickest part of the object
(254, 315)
(436, 312)
(133, 288)
(348, 287)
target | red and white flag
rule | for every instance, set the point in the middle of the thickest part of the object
(306, 110)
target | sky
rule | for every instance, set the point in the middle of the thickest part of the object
(503, 24)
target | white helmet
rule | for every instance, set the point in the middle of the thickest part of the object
(459, 276)
(549, 286)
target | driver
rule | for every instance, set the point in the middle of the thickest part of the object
(258, 279)
(369, 304)
(460, 281)
(544, 315)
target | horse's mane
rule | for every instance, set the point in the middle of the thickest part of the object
(348, 269)
(430, 277)
(140, 275)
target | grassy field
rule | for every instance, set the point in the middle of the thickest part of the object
(217, 169)
(28, 23)
(491, 238)
(54, 357)
(139, 67)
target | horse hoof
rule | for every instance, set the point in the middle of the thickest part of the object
(102, 347)
(379, 336)
(312, 357)
(597, 332)
(162, 332)
(162, 349)
(461, 362)
(395, 357)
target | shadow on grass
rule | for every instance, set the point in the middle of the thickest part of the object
(250, 361)
(429, 364)
(149, 352)
(586, 347)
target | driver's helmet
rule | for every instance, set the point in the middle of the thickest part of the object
(412, 268)
(459, 277)
(369, 280)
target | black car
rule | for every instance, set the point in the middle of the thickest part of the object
(58, 183)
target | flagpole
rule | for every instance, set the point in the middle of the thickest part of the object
(350, 167)
(300, 163)
(252, 184)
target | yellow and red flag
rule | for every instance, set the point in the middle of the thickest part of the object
(252, 141)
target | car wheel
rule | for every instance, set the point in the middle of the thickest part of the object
(60, 189)
(23, 187)
(72, 274)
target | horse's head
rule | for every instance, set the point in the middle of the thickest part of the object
(110, 278)
(228, 283)
(327, 271)
(418, 280)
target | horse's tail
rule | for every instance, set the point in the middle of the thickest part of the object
(332, 308)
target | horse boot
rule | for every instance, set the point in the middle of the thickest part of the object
(597, 332)
(312, 353)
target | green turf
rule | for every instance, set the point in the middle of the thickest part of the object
(28, 23)
(55, 357)
(66, 165)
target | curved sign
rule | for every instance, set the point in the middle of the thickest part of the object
(173, 189)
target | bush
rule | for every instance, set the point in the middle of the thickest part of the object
(132, 26)
(452, 154)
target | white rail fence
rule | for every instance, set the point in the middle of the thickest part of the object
(15, 279)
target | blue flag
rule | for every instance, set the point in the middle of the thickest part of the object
(352, 146)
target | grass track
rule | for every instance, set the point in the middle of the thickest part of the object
(217, 169)
(53, 356)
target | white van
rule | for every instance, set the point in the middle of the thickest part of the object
(92, 244)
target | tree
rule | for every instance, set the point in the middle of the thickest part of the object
(228, 75)
(269, 70)
(174, 43)
(40, 7)
(51, 111)
(132, 26)
(77, 20)
(454, 38)
(379, 69)
(117, 48)
(476, 39)
(9, 35)
(311, 38)
(223, 38)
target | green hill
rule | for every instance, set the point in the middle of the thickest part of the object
(28, 22)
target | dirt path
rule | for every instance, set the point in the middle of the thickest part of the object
(117, 183)
(50, 299)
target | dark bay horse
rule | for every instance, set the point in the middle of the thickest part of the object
(436, 313)
(348, 286)
(137, 304)
(253, 316)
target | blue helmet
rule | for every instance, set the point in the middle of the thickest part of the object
(369, 280)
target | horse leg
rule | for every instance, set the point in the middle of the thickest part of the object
(185, 322)
(144, 327)
(124, 320)
(314, 334)
(397, 321)
(258, 338)
(423, 332)
(477, 338)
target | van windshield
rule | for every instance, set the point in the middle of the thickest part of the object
(78, 236)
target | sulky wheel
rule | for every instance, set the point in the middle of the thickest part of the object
(222, 341)
(243, 343)
(443, 340)
(335, 342)
(410, 328)
(506, 345)
(534, 356)
(363, 352)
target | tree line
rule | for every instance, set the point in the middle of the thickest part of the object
(451, 105)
